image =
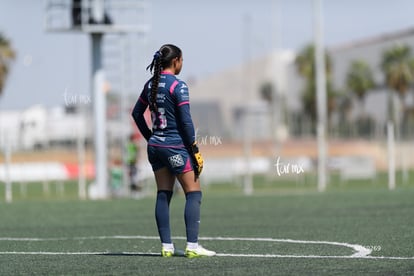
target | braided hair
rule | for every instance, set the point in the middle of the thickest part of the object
(162, 59)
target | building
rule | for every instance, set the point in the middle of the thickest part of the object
(38, 127)
(371, 50)
(220, 101)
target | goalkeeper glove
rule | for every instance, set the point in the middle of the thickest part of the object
(197, 159)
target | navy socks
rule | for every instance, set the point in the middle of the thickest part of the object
(192, 215)
(162, 215)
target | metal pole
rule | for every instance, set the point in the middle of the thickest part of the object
(391, 155)
(124, 119)
(9, 195)
(391, 142)
(321, 95)
(99, 104)
(81, 160)
(247, 141)
(276, 105)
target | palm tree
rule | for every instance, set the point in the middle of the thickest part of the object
(305, 62)
(266, 92)
(398, 67)
(305, 66)
(359, 80)
(7, 55)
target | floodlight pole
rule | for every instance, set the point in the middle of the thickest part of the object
(99, 106)
(277, 109)
(320, 95)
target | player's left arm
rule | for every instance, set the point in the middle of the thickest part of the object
(138, 115)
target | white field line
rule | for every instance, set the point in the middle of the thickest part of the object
(361, 252)
(313, 256)
(218, 255)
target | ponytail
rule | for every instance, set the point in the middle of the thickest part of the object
(162, 59)
(155, 68)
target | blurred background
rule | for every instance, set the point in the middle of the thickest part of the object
(250, 67)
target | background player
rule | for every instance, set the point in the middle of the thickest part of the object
(131, 162)
(172, 150)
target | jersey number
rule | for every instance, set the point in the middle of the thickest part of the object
(159, 119)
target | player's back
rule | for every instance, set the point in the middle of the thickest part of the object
(171, 94)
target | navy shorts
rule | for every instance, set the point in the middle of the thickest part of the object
(177, 160)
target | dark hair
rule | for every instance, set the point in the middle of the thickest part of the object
(162, 59)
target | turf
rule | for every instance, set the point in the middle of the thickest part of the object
(366, 214)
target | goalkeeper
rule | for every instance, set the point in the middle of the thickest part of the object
(172, 150)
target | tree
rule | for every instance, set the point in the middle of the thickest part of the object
(398, 67)
(7, 55)
(359, 80)
(266, 92)
(305, 66)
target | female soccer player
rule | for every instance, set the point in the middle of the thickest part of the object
(172, 149)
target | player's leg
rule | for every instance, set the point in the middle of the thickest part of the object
(132, 174)
(165, 182)
(193, 196)
(188, 182)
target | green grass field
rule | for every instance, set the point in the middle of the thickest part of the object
(267, 233)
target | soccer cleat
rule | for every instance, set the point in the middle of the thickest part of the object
(167, 252)
(199, 252)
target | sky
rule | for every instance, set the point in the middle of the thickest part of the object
(212, 35)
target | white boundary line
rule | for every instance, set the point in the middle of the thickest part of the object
(218, 255)
(361, 252)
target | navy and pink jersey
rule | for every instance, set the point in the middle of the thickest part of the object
(172, 125)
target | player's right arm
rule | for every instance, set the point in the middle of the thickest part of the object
(183, 116)
(186, 127)
(138, 113)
